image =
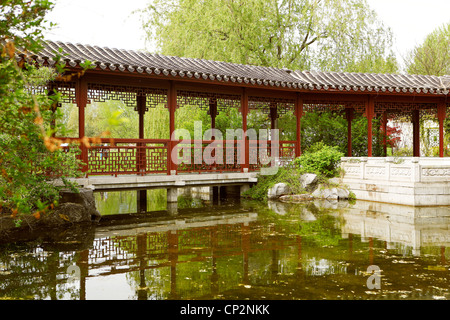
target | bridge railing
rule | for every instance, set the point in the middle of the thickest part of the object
(148, 156)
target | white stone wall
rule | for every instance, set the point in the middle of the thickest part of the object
(410, 180)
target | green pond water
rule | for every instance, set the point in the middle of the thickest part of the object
(236, 250)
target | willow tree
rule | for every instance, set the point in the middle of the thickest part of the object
(329, 35)
(326, 35)
(432, 57)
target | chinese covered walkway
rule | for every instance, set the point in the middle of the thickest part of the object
(142, 80)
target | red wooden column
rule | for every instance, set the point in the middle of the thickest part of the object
(244, 112)
(171, 104)
(141, 101)
(416, 133)
(370, 109)
(273, 116)
(213, 113)
(82, 99)
(298, 115)
(349, 114)
(384, 130)
(441, 117)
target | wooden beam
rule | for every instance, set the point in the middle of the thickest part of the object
(150, 80)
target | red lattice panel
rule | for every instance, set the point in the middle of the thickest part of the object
(201, 161)
(260, 155)
(128, 156)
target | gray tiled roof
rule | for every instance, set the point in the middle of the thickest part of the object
(142, 62)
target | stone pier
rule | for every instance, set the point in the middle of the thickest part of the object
(413, 181)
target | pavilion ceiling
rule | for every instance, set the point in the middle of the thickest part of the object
(128, 61)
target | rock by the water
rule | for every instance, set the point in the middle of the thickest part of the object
(67, 213)
(330, 193)
(73, 208)
(277, 191)
(296, 197)
(309, 181)
(84, 197)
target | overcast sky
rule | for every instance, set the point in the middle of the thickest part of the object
(111, 23)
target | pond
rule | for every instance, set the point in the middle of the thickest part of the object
(236, 249)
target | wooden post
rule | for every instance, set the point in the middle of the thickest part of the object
(384, 124)
(244, 111)
(82, 99)
(370, 108)
(213, 113)
(298, 115)
(441, 118)
(172, 104)
(273, 116)
(349, 113)
(416, 133)
(54, 107)
(140, 159)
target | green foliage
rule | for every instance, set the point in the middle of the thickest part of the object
(327, 35)
(330, 35)
(29, 156)
(331, 129)
(432, 57)
(320, 159)
(265, 182)
(322, 231)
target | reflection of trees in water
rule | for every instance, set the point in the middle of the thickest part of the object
(275, 255)
(118, 202)
(33, 273)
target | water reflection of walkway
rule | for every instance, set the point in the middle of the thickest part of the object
(412, 226)
(234, 253)
(159, 245)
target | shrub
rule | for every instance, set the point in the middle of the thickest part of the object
(321, 160)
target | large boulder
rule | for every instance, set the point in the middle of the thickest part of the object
(309, 181)
(277, 191)
(333, 193)
(78, 206)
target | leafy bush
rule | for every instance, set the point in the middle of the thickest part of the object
(321, 160)
(29, 155)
